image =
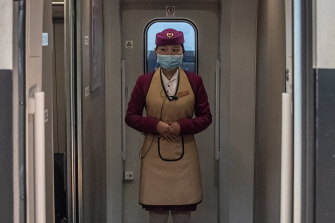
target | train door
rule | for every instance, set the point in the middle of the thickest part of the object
(135, 22)
(60, 152)
(38, 106)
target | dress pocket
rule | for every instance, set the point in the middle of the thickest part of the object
(171, 151)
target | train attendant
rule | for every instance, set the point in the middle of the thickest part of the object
(170, 170)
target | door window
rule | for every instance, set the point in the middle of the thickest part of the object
(190, 59)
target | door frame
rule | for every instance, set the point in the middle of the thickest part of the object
(304, 112)
(72, 38)
(211, 10)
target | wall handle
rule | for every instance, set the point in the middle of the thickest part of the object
(287, 160)
(36, 108)
(123, 109)
(217, 110)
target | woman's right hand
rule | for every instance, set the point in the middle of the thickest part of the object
(165, 131)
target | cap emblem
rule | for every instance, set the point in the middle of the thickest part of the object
(169, 35)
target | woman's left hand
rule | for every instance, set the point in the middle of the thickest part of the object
(175, 128)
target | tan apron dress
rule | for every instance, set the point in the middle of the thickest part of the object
(175, 182)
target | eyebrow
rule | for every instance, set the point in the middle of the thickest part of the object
(174, 46)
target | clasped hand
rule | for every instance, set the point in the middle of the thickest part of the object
(168, 130)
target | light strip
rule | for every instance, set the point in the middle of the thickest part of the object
(58, 3)
(297, 68)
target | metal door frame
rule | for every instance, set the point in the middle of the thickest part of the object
(304, 112)
(21, 69)
(73, 109)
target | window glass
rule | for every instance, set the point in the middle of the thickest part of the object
(190, 45)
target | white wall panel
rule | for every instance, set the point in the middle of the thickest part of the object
(325, 42)
(6, 36)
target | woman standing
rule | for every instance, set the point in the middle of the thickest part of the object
(170, 170)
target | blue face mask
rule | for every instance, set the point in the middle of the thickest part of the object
(169, 62)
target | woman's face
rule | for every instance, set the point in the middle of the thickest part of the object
(169, 50)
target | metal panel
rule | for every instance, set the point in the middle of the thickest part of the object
(114, 165)
(70, 116)
(298, 109)
(6, 146)
(325, 146)
(92, 153)
(304, 99)
(48, 88)
(238, 47)
(270, 85)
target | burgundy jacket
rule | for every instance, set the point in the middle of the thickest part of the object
(188, 126)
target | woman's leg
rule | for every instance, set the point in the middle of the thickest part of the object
(159, 217)
(181, 216)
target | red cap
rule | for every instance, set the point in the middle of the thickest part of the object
(169, 37)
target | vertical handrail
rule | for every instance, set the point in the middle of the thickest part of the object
(39, 140)
(286, 198)
(286, 160)
(217, 110)
(72, 49)
(123, 109)
(21, 69)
